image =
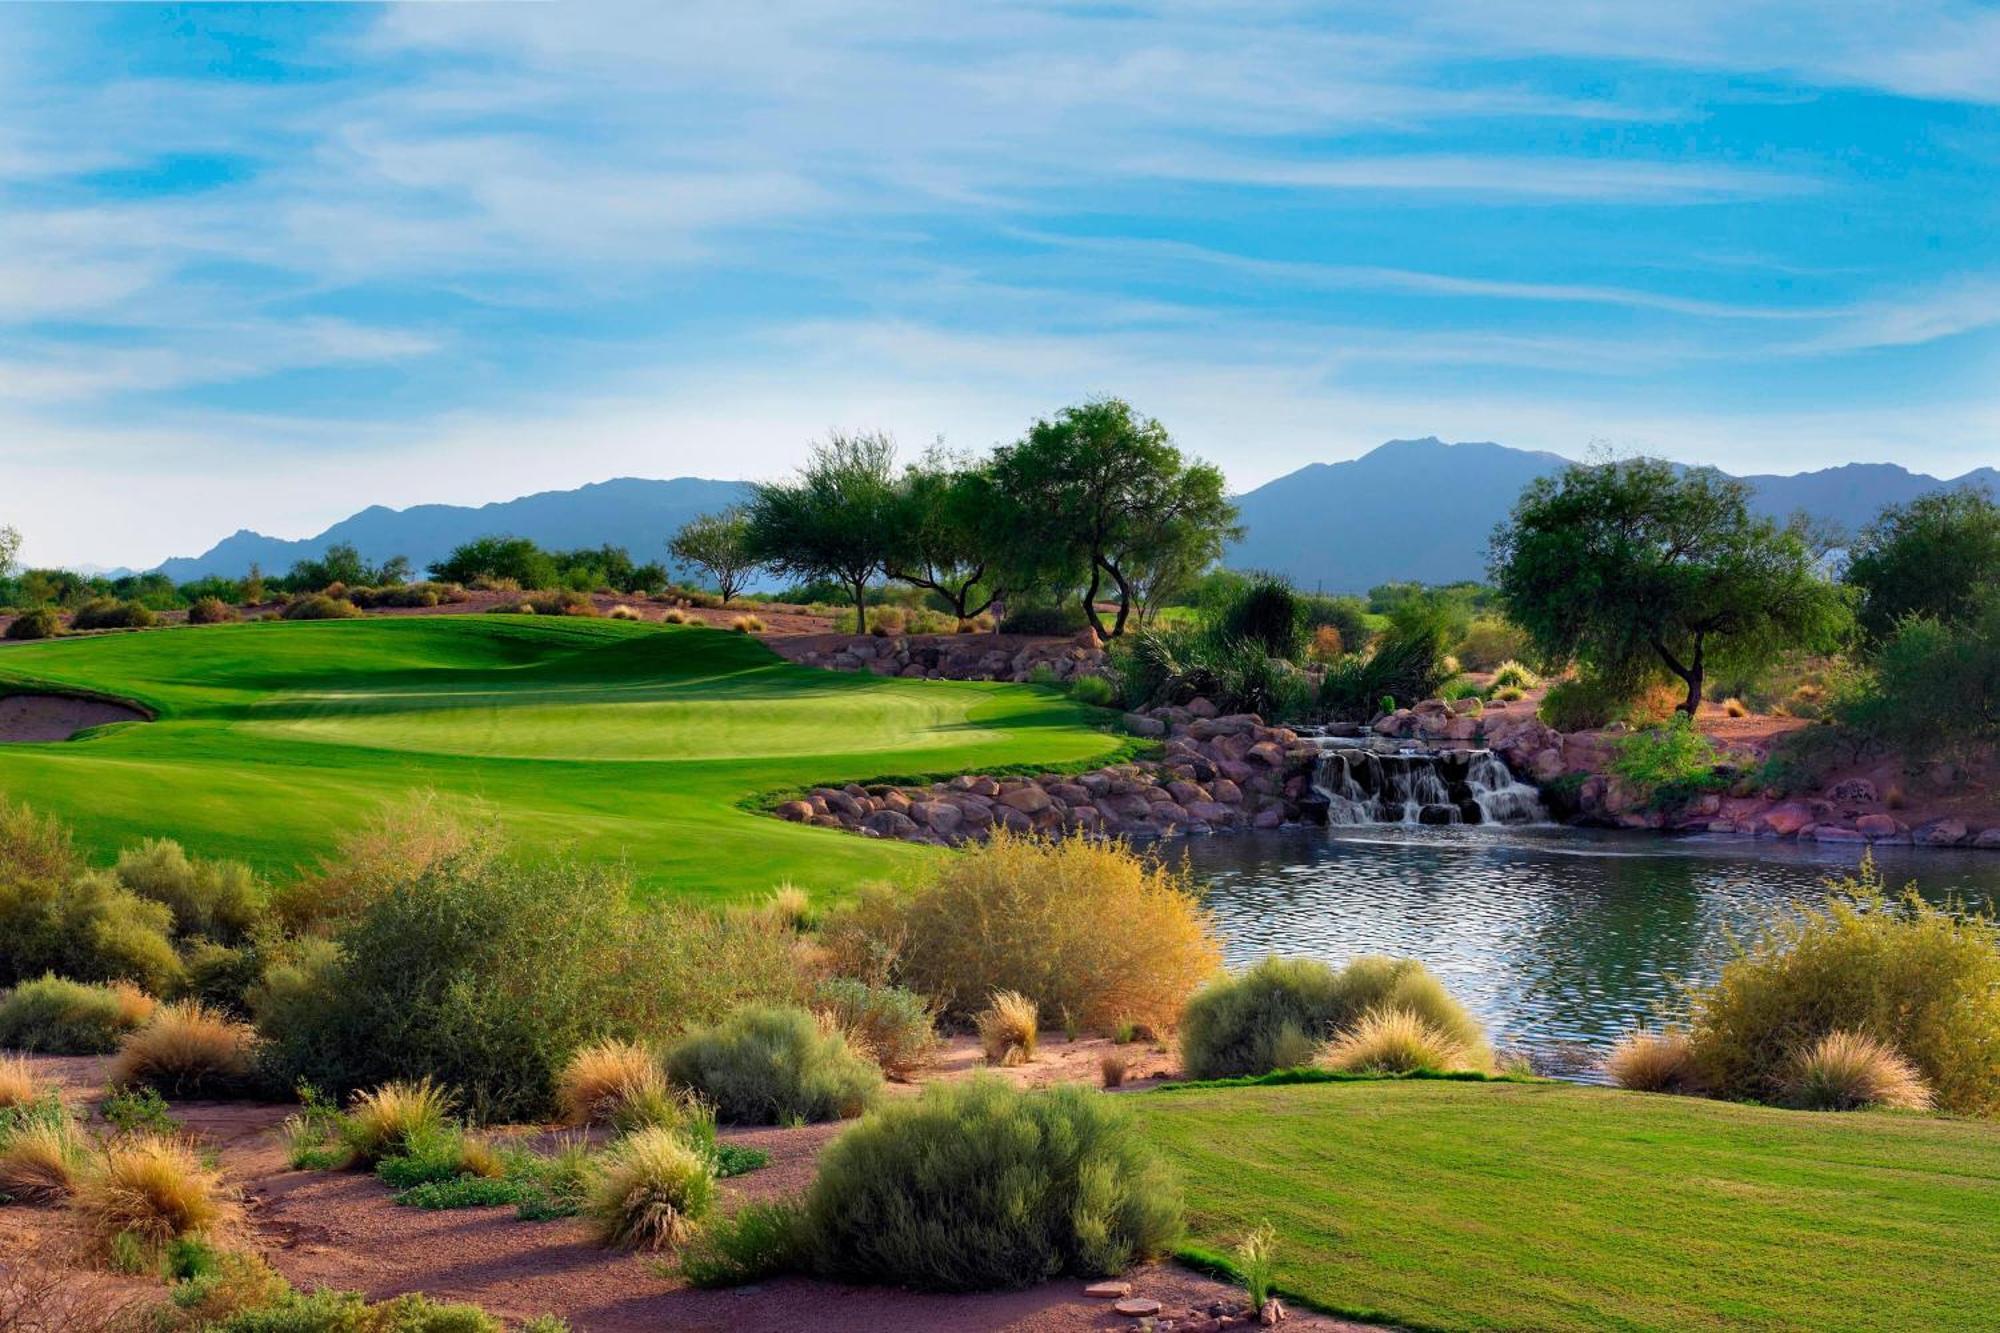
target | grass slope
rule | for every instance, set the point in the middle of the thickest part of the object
(1440, 1205)
(620, 740)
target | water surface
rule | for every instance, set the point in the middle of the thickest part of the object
(1560, 939)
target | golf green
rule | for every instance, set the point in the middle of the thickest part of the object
(624, 741)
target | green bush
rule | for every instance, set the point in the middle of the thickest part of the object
(58, 916)
(1669, 764)
(109, 613)
(1095, 691)
(211, 611)
(1922, 979)
(1512, 674)
(1267, 613)
(975, 1186)
(64, 1017)
(768, 1065)
(1490, 641)
(40, 623)
(1279, 1013)
(319, 606)
(328, 1311)
(1409, 662)
(757, 1241)
(220, 900)
(1583, 704)
(896, 1027)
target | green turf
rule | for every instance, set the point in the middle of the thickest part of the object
(619, 740)
(1441, 1205)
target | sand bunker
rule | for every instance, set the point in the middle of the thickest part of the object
(57, 717)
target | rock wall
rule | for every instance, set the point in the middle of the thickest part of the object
(1215, 775)
(947, 656)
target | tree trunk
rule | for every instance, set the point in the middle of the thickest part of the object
(1090, 600)
(861, 606)
(1692, 672)
(1124, 599)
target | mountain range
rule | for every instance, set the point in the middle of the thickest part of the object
(1410, 509)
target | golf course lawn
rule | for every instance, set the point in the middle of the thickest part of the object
(1448, 1205)
(620, 740)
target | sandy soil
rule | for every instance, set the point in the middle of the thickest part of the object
(342, 1230)
(57, 717)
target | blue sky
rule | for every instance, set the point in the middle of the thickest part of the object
(263, 266)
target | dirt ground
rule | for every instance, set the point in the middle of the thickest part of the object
(342, 1229)
(57, 717)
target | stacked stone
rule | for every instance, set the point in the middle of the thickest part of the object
(962, 656)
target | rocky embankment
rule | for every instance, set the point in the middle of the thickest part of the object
(948, 656)
(1214, 775)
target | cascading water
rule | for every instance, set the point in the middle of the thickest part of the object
(1365, 785)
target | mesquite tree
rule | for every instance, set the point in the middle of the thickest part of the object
(719, 546)
(1631, 566)
(834, 520)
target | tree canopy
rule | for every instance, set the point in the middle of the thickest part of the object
(718, 545)
(948, 531)
(1936, 556)
(1629, 567)
(834, 519)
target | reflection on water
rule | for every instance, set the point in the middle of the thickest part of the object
(1553, 936)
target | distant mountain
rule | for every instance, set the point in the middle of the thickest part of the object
(632, 512)
(1423, 509)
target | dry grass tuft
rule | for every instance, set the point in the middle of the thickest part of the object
(19, 1085)
(747, 625)
(674, 616)
(653, 1192)
(187, 1049)
(1655, 1062)
(1850, 1071)
(1733, 707)
(622, 612)
(1397, 1041)
(602, 1083)
(1111, 1069)
(40, 1163)
(381, 1122)
(135, 1007)
(154, 1189)
(790, 907)
(1009, 1028)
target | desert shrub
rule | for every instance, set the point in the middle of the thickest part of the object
(674, 616)
(1921, 979)
(1111, 1069)
(1043, 620)
(65, 1017)
(768, 1065)
(1512, 674)
(623, 613)
(975, 1186)
(187, 1049)
(759, 1240)
(152, 1189)
(1408, 662)
(319, 606)
(1396, 1041)
(747, 625)
(1490, 641)
(561, 602)
(609, 1082)
(1654, 1062)
(138, 1111)
(211, 611)
(1267, 612)
(221, 900)
(1009, 1028)
(233, 1283)
(20, 1087)
(1851, 1071)
(1669, 764)
(1280, 1012)
(407, 595)
(1093, 933)
(330, 1311)
(40, 623)
(894, 1027)
(439, 1154)
(1581, 704)
(654, 1189)
(1095, 691)
(59, 916)
(383, 1122)
(1327, 646)
(41, 1159)
(109, 613)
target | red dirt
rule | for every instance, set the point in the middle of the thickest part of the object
(341, 1229)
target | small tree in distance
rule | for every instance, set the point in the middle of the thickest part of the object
(10, 550)
(718, 545)
(834, 520)
(1628, 567)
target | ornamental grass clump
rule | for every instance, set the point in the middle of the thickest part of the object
(1851, 1071)
(186, 1050)
(1009, 1028)
(607, 1080)
(1397, 1041)
(1092, 932)
(976, 1186)
(41, 1158)
(20, 1086)
(1922, 980)
(384, 1121)
(154, 1190)
(1655, 1062)
(653, 1191)
(62, 1017)
(774, 1065)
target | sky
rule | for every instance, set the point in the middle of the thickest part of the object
(263, 266)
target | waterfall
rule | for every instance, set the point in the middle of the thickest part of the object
(1365, 785)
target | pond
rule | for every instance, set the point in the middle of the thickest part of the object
(1560, 939)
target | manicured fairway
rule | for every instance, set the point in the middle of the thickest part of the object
(621, 740)
(1440, 1205)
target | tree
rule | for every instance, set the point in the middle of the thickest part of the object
(342, 563)
(833, 520)
(1631, 566)
(1103, 493)
(944, 531)
(1932, 557)
(10, 550)
(498, 557)
(719, 546)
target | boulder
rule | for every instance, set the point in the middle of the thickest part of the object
(1989, 838)
(1878, 826)
(1027, 800)
(1141, 725)
(942, 816)
(1941, 833)
(1199, 707)
(1831, 833)
(1269, 817)
(1268, 753)
(796, 811)
(1786, 820)
(1225, 791)
(889, 824)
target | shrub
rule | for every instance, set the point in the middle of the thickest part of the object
(187, 1049)
(1327, 645)
(211, 611)
(1489, 641)
(221, 900)
(1654, 1062)
(975, 1185)
(1093, 933)
(138, 1111)
(1581, 704)
(654, 1189)
(757, 1241)
(1512, 674)
(1266, 612)
(674, 616)
(1734, 707)
(108, 613)
(40, 623)
(747, 625)
(1850, 1071)
(1396, 1041)
(623, 613)
(608, 1082)
(68, 1018)
(769, 1065)
(59, 916)
(20, 1087)
(319, 606)
(40, 1160)
(1670, 764)
(1277, 1014)
(153, 1189)
(384, 1121)
(1257, 1261)
(892, 1026)
(1409, 662)
(790, 907)
(1095, 691)
(1008, 1028)
(1111, 1069)
(1921, 979)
